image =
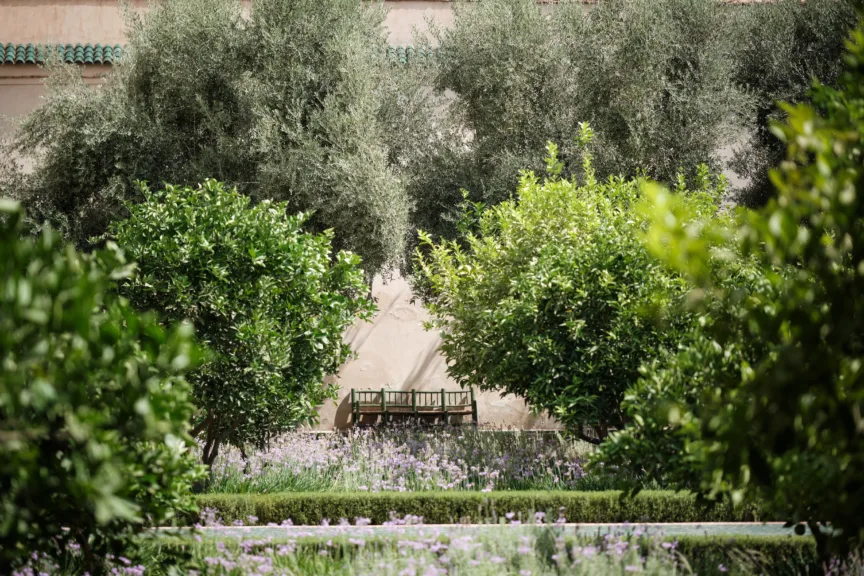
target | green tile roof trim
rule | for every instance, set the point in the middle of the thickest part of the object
(69, 53)
(107, 54)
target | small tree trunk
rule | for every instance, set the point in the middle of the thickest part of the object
(210, 454)
(590, 439)
(600, 432)
(247, 466)
(89, 560)
(821, 541)
(212, 442)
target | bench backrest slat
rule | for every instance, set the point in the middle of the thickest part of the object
(406, 398)
(443, 402)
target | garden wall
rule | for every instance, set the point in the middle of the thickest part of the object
(396, 353)
(71, 21)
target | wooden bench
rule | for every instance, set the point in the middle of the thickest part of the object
(388, 403)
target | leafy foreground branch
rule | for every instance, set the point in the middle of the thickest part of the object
(94, 408)
(766, 400)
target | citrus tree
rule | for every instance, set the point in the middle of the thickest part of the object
(269, 301)
(551, 295)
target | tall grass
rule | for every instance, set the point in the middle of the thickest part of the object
(434, 553)
(538, 548)
(410, 459)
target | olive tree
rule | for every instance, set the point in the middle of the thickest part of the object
(666, 84)
(655, 79)
(780, 48)
(269, 301)
(94, 407)
(281, 102)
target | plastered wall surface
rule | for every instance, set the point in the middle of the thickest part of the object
(404, 18)
(394, 352)
(71, 21)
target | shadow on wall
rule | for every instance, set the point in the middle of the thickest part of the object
(395, 352)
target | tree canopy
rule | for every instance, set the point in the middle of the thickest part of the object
(283, 103)
(269, 302)
(551, 295)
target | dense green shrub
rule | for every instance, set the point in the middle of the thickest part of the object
(282, 103)
(448, 507)
(269, 301)
(782, 422)
(781, 48)
(655, 443)
(551, 299)
(94, 409)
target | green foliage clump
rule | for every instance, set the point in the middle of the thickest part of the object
(658, 406)
(780, 48)
(269, 301)
(282, 102)
(780, 419)
(655, 79)
(551, 297)
(451, 507)
(94, 408)
(667, 85)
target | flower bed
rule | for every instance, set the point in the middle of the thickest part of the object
(551, 549)
(404, 459)
(548, 552)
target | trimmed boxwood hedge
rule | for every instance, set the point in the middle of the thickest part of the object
(775, 555)
(311, 508)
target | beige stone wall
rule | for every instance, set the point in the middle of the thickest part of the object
(395, 352)
(71, 21)
(405, 17)
(63, 21)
